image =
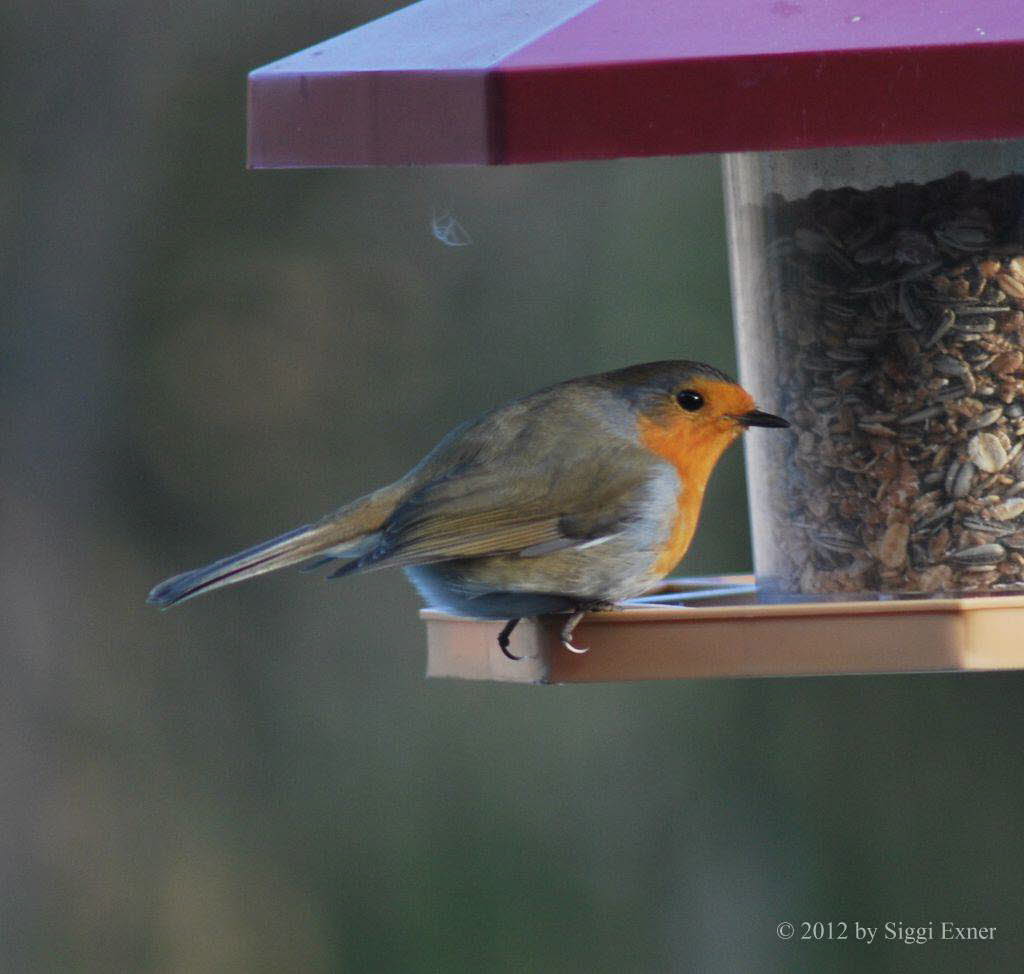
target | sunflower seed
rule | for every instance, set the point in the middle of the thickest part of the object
(963, 310)
(947, 322)
(947, 365)
(982, 554)
(986, 418)
(921, 415)
(982, 324)
(964, 479)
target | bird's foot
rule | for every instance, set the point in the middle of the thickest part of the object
(503, 639)
(573, 621)
(566, 634)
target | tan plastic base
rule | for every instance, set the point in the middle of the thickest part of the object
(740, 638)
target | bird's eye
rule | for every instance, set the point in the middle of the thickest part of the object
(689, 400)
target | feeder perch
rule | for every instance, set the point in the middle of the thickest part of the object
(874, 172)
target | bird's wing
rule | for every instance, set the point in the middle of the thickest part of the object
(577, 500)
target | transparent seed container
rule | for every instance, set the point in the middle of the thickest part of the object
(879, 298)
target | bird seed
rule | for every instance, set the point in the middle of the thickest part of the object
(892, 334)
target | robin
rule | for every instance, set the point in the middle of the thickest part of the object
(565, 501)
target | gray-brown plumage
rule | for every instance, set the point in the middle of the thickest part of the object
(563, 498)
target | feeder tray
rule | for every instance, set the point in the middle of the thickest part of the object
(893, 100)
(729, 634)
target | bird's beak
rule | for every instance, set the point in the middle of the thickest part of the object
(757, 418)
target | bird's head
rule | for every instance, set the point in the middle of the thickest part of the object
(689, 412)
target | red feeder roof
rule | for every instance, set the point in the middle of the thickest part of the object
(510, 81)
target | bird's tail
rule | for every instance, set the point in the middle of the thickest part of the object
(346, 533)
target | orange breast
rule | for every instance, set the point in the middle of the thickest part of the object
(693, 449)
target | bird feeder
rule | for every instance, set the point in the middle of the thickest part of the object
(874, 171)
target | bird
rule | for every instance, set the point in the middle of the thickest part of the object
(567, 500)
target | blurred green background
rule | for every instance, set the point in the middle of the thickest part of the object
(196, 357)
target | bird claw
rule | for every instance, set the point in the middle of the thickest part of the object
(579, 650)
(566, 633)
(503, 640)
